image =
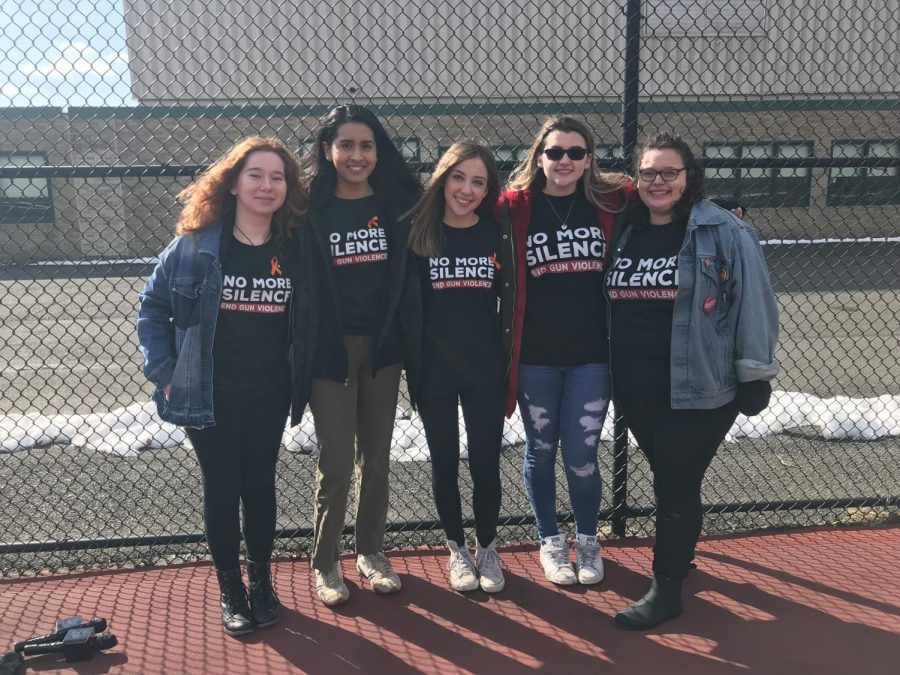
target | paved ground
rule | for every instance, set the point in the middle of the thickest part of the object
(770, 604)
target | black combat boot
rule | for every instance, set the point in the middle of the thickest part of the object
(662, 602)
(264, 605)
(236, 616)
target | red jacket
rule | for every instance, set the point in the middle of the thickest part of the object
(515, 206)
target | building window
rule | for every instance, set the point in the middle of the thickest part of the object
(24, 200)
(864, 186)
(410, 148)
(759, 186)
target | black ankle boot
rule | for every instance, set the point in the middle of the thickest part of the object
(662, 602)
(236, 616)
(264, 605)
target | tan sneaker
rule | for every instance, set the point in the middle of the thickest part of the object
(463, 576)
(330, 586)
(490, 573)
(376, 568)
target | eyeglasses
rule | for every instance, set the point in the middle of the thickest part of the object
(575, 153)
(668, 175)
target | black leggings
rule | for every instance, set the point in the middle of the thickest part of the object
(679, 444)
(238, 457)
(483, 414)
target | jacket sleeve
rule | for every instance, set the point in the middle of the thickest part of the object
(156, 333)
(757, 318)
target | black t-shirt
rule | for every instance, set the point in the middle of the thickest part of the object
(251, 342)
(565, 308)
(461, 342)
(642, 284)
(358, 253)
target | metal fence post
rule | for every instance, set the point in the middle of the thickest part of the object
(631, 86)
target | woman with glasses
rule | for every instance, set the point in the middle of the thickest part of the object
(693, 328)
(359, 185)
(562, 211)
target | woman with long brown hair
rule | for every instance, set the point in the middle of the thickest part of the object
(464, 263)
(226, 305)
(562, 211)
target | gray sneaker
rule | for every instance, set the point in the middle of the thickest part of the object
(490, 573)
(463, 576)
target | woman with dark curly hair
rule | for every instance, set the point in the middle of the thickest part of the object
(693, 328)
(216, 335)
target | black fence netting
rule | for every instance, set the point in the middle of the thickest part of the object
(108, 108)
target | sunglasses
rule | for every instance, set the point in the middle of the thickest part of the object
(575, 153)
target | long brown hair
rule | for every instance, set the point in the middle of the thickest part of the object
(209, 197)
(596, 184)
(425, 236)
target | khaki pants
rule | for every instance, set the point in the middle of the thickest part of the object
(354, 425)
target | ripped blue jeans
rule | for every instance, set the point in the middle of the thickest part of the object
(563, 407)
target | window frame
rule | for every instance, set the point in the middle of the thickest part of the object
(860, 196)
(15, 211)
(740, 180)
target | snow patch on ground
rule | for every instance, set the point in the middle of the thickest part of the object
(126, 432)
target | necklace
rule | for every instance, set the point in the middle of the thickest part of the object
(562, 221)
(249, 240)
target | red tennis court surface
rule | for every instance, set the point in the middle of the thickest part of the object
(813, 601)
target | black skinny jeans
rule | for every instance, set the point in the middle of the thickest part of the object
(679, 444)
(237, 458)
(483, 415)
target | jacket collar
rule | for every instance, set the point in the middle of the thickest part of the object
(209, 239)
(705, 213)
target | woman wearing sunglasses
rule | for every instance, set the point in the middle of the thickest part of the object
(562, 210)
(694, 323)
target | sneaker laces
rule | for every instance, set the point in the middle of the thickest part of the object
(460, 563)
(559, 555)
(489, 562)
(586, 554)
(379, 563)
(332, 577)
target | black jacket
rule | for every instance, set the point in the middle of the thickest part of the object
(330, 353)
(414, 327)
(303, 319)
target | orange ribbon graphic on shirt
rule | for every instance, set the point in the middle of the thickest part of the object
(495, 261)
(373, 222)
(276, 268)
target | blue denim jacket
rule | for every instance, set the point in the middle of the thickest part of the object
(176, 324)
(725, 318)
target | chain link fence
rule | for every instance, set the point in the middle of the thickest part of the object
(108, 108)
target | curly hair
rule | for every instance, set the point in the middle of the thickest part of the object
(425, 235)
(693, 190)
(596, 184)
(209, 197)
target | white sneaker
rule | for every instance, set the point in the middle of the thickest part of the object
(490, 574)
(463, 576)
(330, 586)
(588, 560)
(376, 568)
(555, 561)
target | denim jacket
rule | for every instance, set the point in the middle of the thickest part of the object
(725, 318)
(176, 326)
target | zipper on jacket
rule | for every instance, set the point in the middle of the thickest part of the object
(512, 247)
